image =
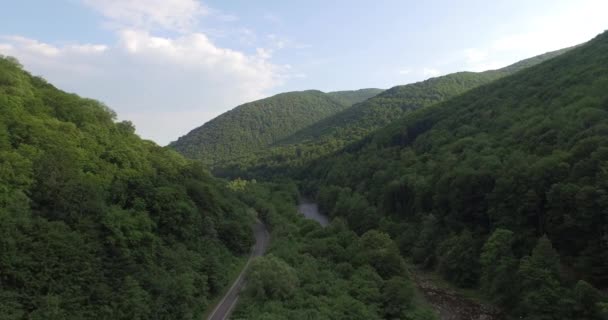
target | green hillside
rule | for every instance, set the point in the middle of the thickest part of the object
(503, 188)
(315, 272)
(332, 133)
(352, 97)
(99, 224)
(254, 126)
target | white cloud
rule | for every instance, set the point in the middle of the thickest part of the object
(5, 47)
(246, 36)
(276, 41)
(176, 15)
(280, 42)
(272, 18)
(475, 55)
(430, 72)
(405, 71)
(478, 60)
(31, 46)
(166, 85)
(88, 48)
(158, 123)
(225, 17)
(565, 24)
(264, 53)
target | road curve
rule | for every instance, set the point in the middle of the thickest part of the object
(226, 305)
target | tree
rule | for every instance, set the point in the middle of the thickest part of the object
(424, 248)
(397, 296)
(458, 259)
(366, 285)
(378, 250)
(134, 301)
(588, 302)
(271, 278)
(347, 308)
(542, 297)
(499, 267)
(97, 223)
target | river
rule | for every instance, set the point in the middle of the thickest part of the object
(311, 211)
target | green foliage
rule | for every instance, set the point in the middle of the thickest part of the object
(312, 272)
(499, 267)
(324, 136)
(542, 297)
(588, 302)
(397, 296)
(238, 184)
(423, 251)
(458, 260)
(271, 278)
(99, 224)
(525, 153)
(353, 97)
(379, 251)
(256, 125)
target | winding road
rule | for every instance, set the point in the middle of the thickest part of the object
(226, 305)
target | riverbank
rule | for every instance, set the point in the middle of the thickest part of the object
(310, 210)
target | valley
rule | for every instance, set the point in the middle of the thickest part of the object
(445, 195)
(474, 189)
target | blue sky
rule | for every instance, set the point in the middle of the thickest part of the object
(171, 65)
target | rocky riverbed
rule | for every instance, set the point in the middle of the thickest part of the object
(450, 305)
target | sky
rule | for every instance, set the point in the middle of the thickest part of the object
(171, 65)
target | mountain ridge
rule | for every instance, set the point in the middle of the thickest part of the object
(97, 223)
(347, 126)
(254, 125)
(502, 188)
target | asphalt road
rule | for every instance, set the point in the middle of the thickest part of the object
(224, 308)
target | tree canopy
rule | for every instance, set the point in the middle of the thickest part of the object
(99, 224)
(256, 125)
(290, 154)
(519, 161)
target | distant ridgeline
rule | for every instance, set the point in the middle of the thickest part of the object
(504, 187)
(96, 223)
(289, 154)
(256, 125)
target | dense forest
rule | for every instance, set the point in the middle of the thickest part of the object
(496, 182)
(332, 133)
(503, 188)
(99, 224)
(311, 272)
(255, 125)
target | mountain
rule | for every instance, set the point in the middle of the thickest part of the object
(255, 125)
(504, 187)
(334, 132)
(352, 97)
(99, 224)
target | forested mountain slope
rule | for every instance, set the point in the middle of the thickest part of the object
(315, 272)
(504, 187)
(255, 125)
(334, 132)
(96, 223)
(351, 97)
(356, 122)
